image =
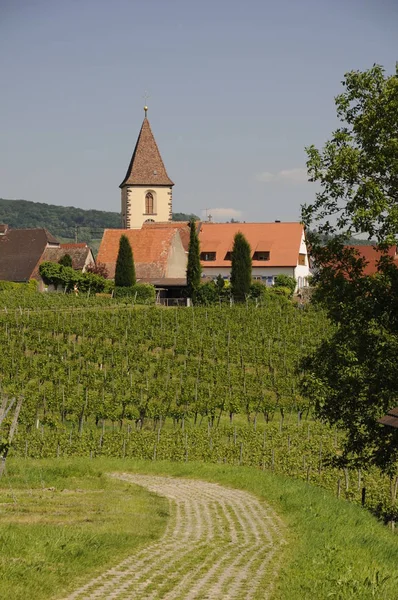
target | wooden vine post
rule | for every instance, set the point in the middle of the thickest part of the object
(6, 407)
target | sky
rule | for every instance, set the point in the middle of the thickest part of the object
(237, 90)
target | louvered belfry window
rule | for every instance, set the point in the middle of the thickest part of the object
(149, 205)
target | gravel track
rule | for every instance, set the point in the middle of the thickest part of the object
(219, 544)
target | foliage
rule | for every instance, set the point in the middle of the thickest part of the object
(194, 269)
(220, 283)
(141, 293)
(208, 293)
(125, 269)
(98, 269)
(67, 278)
(180, 216)
(64, 221)
(90, 372)
(25, 288)
(66, 260)
(61, 221)
(352, 378)
(358, 170)
(241, 268)
(285, 281)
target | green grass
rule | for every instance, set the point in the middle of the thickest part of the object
(60, 521)
(51, 539)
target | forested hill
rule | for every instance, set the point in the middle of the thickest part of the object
(62, 221)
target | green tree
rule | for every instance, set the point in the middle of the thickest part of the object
(125, 269)
(352, 378)
(283, 280)
(65, 260)
(241, 268)
(194, 268)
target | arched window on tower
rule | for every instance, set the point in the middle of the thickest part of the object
(149, 204)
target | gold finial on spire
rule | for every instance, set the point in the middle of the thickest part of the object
(146, 96)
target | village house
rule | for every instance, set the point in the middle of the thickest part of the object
(159, 251)
(22, 251)
(276, 248)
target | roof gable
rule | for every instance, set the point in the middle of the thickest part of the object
(151, 250)
(146, 166)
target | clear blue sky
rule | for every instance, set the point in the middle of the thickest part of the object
(237, 90)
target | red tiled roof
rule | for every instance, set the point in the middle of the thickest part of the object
(282, 240)
(182, 227)
(372, 256)
(146, 166)
(71, 246)
(150, 245)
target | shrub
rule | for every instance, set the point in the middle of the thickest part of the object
(285, 281)
(8, 286)
(282, 291)
(207, 293)
(141, 293)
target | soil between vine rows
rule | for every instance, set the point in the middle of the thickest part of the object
(220, 544)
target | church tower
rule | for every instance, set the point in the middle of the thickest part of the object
(146, 189)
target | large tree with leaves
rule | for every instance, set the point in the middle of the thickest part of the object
(125, 269)
(194, 269)
(353, 378)
(241, 268)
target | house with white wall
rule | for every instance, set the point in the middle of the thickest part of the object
(276, 248)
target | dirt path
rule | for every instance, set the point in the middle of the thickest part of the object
(220, 544)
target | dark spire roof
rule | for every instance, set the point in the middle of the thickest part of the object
(146, 166)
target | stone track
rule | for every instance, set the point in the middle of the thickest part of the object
(219, 544)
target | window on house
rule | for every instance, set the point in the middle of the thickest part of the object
(228, 256)
(149, 204)
(301, 260)
(261, 256)
(207, 256)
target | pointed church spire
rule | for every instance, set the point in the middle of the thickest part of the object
(146, 166)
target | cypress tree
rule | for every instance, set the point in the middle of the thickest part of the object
(194, 269)
(241, 270)
(125, 269)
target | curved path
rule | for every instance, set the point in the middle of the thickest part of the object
(219, 544)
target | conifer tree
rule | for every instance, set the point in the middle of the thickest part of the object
(66, 260)
(125, 269)
(194, 268)
(241, 269)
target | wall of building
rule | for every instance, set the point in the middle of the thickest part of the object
(89, 261)
(133, 205)
(177, 260)
(256, 271)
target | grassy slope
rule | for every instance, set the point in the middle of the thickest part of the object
(336, 550)
(60, 521)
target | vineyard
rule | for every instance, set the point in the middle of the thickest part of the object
(217, 384)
